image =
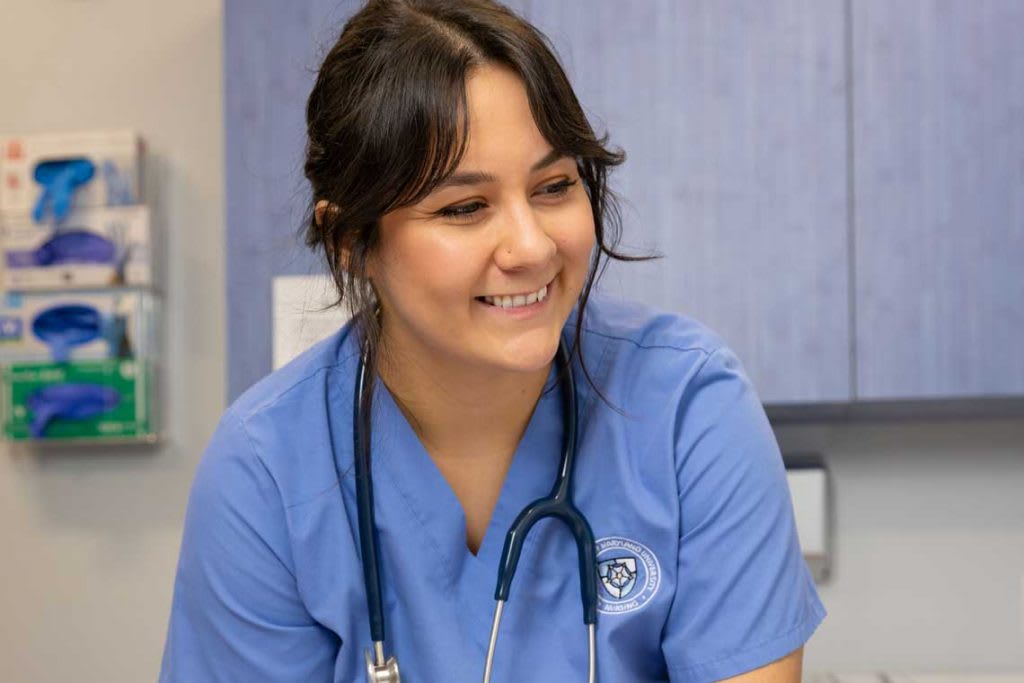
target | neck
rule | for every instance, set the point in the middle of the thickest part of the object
(458, 410)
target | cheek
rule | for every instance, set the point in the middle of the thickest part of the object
(577, 240)
(437, 268)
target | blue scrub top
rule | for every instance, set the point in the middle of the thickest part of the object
(701, 575)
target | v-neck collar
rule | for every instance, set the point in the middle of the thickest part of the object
(398, 451)
(428, 507)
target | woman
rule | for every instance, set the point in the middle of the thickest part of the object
(460, 198)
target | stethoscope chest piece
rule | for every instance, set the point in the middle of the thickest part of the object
(382, 673)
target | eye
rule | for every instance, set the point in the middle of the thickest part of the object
(467, 212)
(461, 212)
(558, 189)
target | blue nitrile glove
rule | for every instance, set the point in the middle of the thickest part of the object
(63, 327)
(66, 247)
(119, 189)
(70, 402)
(60, 179)
(75, 246)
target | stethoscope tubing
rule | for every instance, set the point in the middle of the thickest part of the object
(370, 547)
(557, 504)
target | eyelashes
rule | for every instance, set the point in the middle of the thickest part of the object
(468, 211)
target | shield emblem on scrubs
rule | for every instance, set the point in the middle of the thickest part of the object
(618, 576)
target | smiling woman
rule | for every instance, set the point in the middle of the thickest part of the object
(460, 198)
(512, 227)
(432, 135)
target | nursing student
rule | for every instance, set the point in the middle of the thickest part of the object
(486, 425)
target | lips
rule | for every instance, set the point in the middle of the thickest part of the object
(517, 300)
(514, 300)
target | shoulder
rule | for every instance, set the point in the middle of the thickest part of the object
(298, 378)
(640, 326)
(643, 356)
(288, 425)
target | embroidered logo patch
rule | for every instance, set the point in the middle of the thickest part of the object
(629, 575)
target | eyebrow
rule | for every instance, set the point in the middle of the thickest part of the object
(477, 177)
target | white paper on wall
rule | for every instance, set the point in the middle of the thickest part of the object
(299, 316)
(810, 505)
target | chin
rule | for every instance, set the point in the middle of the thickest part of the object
(534, 358)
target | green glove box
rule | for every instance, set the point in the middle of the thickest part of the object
(108, 399)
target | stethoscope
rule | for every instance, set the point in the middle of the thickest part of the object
(558, 504)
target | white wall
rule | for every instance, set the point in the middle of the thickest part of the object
(929, 565)
(90, 540)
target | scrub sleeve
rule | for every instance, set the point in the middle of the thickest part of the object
(237, 613)
(744, 596)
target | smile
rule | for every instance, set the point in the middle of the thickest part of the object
(516, 300)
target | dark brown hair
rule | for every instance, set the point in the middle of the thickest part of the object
(386, 122)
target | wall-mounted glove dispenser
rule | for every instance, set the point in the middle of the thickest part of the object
(79, 318)
(87, 400)
(93, 247)
(79, 366)
(88, 325)
(48, 175)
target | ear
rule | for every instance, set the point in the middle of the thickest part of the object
(321, 209)
(320, 212)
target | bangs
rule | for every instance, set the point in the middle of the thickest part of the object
(426, 137)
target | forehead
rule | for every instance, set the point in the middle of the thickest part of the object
(501, 125)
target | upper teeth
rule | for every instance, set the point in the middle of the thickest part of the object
(518, 299)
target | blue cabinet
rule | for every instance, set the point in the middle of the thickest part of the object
(938, 105)
(733, 116)
(837, 187)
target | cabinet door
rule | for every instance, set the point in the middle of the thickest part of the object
(733, 116)
(939, 209)
(271, 52)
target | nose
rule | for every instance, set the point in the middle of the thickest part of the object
(525, 241)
